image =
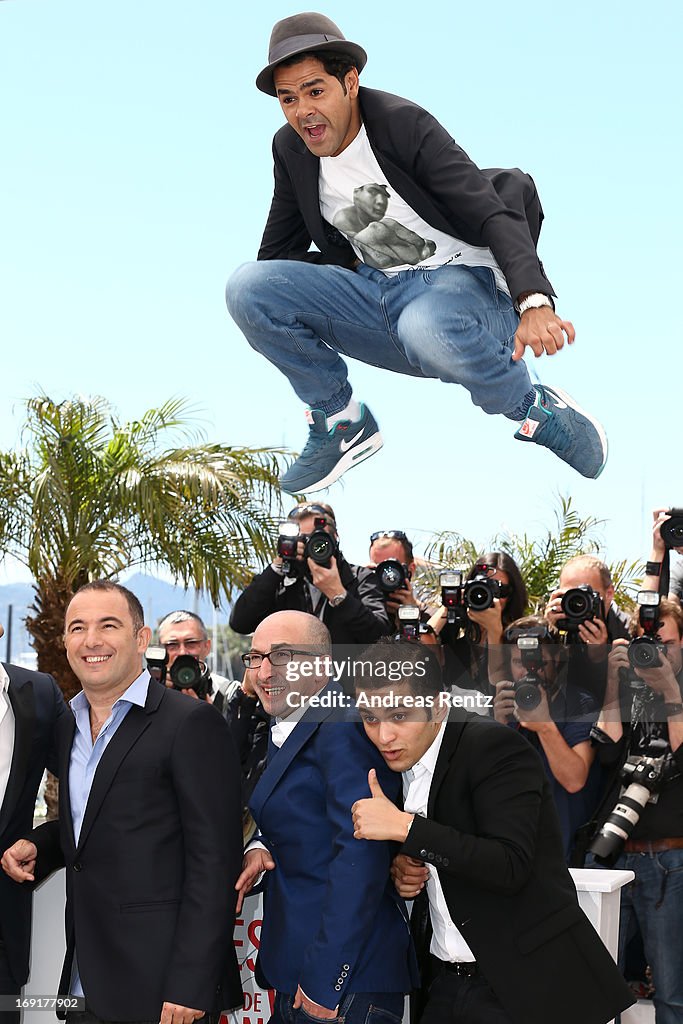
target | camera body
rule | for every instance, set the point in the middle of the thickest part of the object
(186, 672)
(480, 592)
(579, 605)
(528, 689)
(392, 575)
(671, 531)
(646, 651)
(321, 546)
(644, 774)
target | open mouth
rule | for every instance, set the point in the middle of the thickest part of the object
(391, 755)
(315, 132)
(96, 659)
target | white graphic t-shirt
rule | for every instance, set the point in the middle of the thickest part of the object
(384, 231)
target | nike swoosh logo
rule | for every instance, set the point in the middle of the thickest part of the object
(558, 402)
(345, 445)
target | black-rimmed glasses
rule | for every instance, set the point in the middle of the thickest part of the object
(277, 658)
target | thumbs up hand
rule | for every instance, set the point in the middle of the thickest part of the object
(377, 818)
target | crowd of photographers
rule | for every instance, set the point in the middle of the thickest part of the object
(596, 691)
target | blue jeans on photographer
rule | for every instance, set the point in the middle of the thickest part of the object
(450, 323)
(355, 1008)
(654, 899)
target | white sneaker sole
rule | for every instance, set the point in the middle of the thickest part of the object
(352, 458)
(571, 404)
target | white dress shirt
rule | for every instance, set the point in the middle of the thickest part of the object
(447, 943)
(6, 733)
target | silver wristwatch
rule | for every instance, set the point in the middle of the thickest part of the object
(338, 598)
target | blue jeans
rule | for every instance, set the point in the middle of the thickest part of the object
(355, 1008)
(655, 900)
(450, 323)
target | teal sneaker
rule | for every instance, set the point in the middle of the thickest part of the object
(555, 421)
(329, 453)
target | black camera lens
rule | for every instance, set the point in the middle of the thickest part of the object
(186, 672)
(320, 548)
(577, 604)
(391, 575)
(643, 652)
(479, 595)
(527, 694)
(672, 530)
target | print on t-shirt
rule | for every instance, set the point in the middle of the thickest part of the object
(383, 241)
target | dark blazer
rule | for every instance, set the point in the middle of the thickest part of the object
(150, 886)
(37, 704)
(495, 208)
(332, 921)
(360, 619)
(492, 833)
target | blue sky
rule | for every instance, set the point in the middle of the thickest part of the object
(135, 175)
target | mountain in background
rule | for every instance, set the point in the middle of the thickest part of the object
(156, 596)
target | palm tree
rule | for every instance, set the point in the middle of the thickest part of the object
(540, 559)
(87, 497)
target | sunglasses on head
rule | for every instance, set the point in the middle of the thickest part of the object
(394, 534)
(309, 510)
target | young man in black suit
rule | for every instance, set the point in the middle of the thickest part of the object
(502, 938)
(425, 264)
(150, 831)
(30, 706)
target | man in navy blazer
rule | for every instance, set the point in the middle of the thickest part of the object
(30, 706)
(335, 939)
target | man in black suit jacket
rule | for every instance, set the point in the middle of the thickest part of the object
(30, 706)
(447, 281)
(505, 941)
(150, 830)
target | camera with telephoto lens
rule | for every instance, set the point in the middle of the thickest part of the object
(451, 583)
(189, 673)
(644, 775)
(528, 689)
(646, 651)
(671, 531)
(287, 544)
(392, 575)
(579, 605)
(408, 622)
(320, 546)
(157, 660)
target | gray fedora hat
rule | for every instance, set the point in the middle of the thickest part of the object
(299, 34)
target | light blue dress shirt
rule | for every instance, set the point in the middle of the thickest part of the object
(85, 757)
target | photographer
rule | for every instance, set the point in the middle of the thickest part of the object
(554, 717)
(474, 642)
(183, 635)
(638, 737)
(347, 598)
(659, 574)
(583, 609)
(391, 556)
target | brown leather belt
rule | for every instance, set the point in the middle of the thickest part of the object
(653, 845)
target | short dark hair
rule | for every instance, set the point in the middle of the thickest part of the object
(377, 664)
(335, 62)
(134, 606)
